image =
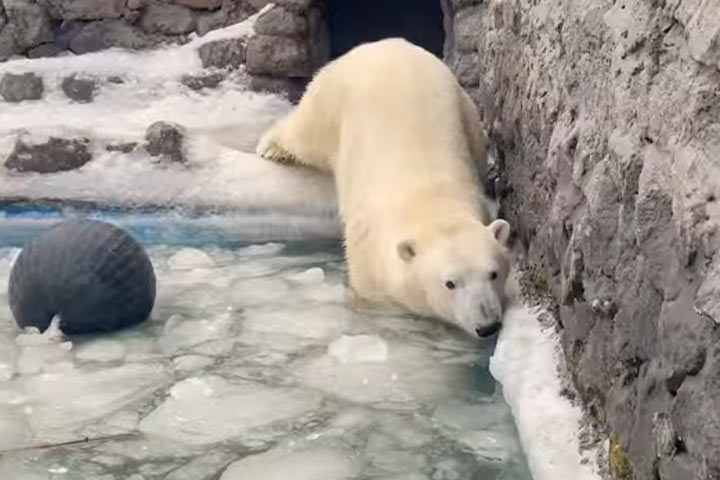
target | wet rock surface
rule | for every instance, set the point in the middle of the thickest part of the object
(203, 80)
(292, 89)
(168, 19)
(165, 141)
(81, 90)
(278, 56)
(20, 87)
(607, 124)
(280, 21)
(49, 156)
(228, 53)
(48, 27)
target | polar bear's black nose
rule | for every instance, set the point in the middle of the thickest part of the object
(489, 330)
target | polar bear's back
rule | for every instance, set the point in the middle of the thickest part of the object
(399, 115)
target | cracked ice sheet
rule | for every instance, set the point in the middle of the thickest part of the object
(239, 377)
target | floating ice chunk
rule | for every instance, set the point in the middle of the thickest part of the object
(281, 464)
(180, 332)
(190, 258)
(210, 409)
(325, 293)
(42, 352)
(485, 429)
(188, 363)
(311, 276)
(316, 322)
(488, 445)
(459, 415)
(7, 370)
(43, 358)
(15, 432)
(264, 250)
(100, 350)
(58, 470)
(70, 404)
(359, 349)
(413, 476)
(383, 454)
(204, 467)
(260, 291)
(409, 378)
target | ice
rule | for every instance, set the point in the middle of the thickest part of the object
(7, 370)
(188, 363)
(311, 276)
(100, 350)
(315, 322)
(43, 352)
(203, 468)
(189, 258)
(257, 348)
(71, 404)
(359, 349)
(182, 333)
(548, 423)
(14, 428)
(408, 378)
(267, 249)
(280, 464)
(207, 410)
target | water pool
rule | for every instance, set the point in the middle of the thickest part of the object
(253, 365)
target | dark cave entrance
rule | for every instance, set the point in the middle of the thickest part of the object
(351, 22)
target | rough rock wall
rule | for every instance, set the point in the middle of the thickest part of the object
(606, 115)
(44, 28)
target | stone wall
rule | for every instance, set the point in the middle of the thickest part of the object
(606, 117)
(42, 28)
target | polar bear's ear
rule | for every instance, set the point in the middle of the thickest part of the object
(406, 250)
(501, 230)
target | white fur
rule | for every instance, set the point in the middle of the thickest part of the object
(407, 149)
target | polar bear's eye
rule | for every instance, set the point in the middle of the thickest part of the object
(493, 275)
(450, 285)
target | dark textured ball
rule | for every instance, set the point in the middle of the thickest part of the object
(95, 276)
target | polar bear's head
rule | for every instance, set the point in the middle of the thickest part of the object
(462, 275)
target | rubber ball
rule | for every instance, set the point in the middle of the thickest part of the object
(93, 275)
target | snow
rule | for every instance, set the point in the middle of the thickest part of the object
(547, 422)
(223, 126)
(253, 363)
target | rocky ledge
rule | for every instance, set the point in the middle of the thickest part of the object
(53, 27)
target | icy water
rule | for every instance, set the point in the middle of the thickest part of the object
(253, 366)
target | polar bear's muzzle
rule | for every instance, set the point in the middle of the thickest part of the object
(489, 330)
(478, 310)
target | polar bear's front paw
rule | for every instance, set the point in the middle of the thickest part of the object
(270, 150)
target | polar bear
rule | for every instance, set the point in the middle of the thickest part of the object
(407, 150)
